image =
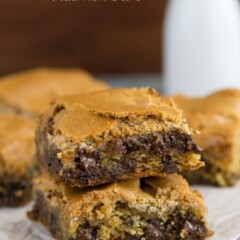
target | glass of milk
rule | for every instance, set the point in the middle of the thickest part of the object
(202, 46)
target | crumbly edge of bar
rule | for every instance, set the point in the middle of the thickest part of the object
(150, 154)
(222, 166)
(212, 175)
(119, 221)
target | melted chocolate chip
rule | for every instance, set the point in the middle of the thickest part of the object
(127, 165)
(58, 109)
(86, 232)
(88, 162)
(50, 124)
(116, 146)
(155, 230)
(169, 166)
(190, 226)
(50, 120)
(135, 143)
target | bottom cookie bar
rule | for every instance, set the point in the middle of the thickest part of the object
(150, 209)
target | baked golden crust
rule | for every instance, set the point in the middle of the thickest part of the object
(128, 102)
(217, 118)
(102, 110)
(105, 212)
(32, 91)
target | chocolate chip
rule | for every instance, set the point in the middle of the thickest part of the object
(58, 109)
(94, 154)
(193, 226)
(126, 166)
(154, 231)
(88, 162)
(133, 143)
(129, 222)
(50, 124)
(120, 204)
(85, 161)
(116, 146)
(169, 166)
(86, 232)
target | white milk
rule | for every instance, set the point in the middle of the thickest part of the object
(202, 46)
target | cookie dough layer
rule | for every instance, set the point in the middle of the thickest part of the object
(97, 138)
(217, 117)
(29, 93)
(17, 159)
(153, 209)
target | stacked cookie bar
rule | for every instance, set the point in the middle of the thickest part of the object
(109, 161)
(217, 117)
(23, 97)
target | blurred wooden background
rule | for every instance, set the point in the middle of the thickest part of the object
(104, 36)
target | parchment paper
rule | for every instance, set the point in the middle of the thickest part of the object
(223, 205)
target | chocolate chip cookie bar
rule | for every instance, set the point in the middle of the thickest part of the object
(217, 117)
(91, 139)
(29, 93)
(17, 159)
(147, 209)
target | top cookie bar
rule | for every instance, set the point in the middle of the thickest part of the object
(91, 139)
(30, 93)
(217, 117)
